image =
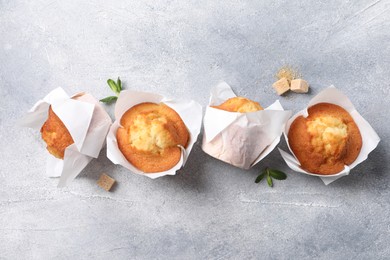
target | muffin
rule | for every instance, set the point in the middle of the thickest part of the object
(239, 104)
(326, 140)
(151, 136)
(56, 135)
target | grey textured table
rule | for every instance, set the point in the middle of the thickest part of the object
(182, 49)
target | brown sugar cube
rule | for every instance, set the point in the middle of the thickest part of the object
(281, 86)
(105, 182)
(299, 86)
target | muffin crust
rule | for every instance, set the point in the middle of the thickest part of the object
(326, 140)
(150, 137)
(56, 135)
(239, 104)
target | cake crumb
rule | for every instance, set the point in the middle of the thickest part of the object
(106, 182)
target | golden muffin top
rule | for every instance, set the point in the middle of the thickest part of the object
(56, 135)
(329, 135)
(151, 131)
(150, 137)
(326, 140)
(239, 104)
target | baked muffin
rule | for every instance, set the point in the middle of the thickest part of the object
(56, 135)
(326, 140)
(239, 104)
(150, 137)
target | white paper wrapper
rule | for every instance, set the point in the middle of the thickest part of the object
(87, 123)
(241, 139)
(189, 111)
(369, 136)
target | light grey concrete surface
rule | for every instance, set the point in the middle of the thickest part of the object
(210, 210)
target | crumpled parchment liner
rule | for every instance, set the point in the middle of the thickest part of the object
(87, 123)
(241, 139)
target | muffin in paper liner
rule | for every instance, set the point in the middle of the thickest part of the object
(87, 123)
(241, 139)
(189, 111)
(369, 137)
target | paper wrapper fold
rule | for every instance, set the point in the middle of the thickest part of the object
(241, 139)
(189, 111)
(87, 123)
(369, 136)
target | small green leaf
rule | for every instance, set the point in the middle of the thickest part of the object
(113, 86)
(119, 84)
(269, 181)
(109, 100)
(260, 177)
(276, 174)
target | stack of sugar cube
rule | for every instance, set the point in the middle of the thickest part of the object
(297, 85)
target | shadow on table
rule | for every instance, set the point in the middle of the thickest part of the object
(190, 177)
(372, 174)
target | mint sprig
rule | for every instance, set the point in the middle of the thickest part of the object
(269, 174)
(116, 87)
(109, 99)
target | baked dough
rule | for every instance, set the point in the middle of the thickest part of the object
(239, 104)
(150, 136)
(326, 140)
(56, 135)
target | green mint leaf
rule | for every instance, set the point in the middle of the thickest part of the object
(269, 181)
(276, 174)
(109, 100)
(119, 84)
(113, 86)
(260, 177)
